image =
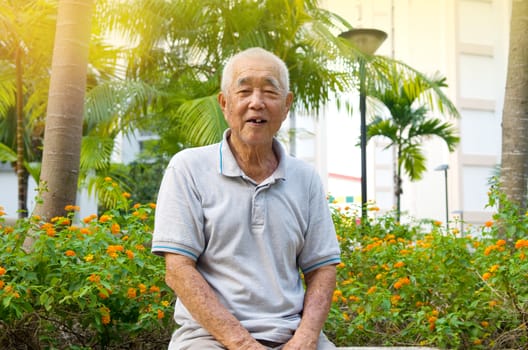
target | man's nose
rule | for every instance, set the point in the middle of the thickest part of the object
(256, 99)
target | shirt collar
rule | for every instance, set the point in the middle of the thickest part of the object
(229, 167)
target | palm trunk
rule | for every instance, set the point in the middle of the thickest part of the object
(63, 133)
(514, 172)
(21, 172)
(398, 184)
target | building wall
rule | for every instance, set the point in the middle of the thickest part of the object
(467, 42)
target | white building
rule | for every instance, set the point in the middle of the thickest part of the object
(467, 42)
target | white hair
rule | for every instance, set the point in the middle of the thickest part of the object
(260, 53)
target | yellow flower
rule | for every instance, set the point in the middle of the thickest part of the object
(89, 258)
(108, 179)
(494, 268)
(142, 288)
(165, 303)
(484, 324)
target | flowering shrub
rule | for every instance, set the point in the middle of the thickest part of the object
(91, 285)
(96, 285)
(409, 286)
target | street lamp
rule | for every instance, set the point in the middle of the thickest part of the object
(444, 167)
(367, 41)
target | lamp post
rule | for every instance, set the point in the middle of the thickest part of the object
(367, 41)
(444, 167)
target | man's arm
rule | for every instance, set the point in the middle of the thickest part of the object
(320, 285)
(198, 297)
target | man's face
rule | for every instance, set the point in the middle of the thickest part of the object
(255, 105)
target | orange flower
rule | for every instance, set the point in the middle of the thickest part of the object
(372, 290)
(126, 195)
(2, 284)
(488, 223)
(130, 254)
(85, 231)
(89, 218)
(501, 243)
(108, 179)
(395, 299)
(115, 229)
(402, 282)
(154, 289)
(432, 322)
(494, 268)
(94, 278)
(486, 276)
(142, 288)
(354, 298)
(484, 324)
(399, 264)
(152, 205)
(131, 293)
(522, 243)
(105, 218)
(72, 208)
(70, 253)
(105, 315)
(161, 314)
(2, 271)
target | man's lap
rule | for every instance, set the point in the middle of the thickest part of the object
(199, 339)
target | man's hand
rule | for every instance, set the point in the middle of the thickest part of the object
(302, 342)
(201, 301)
(320, 285)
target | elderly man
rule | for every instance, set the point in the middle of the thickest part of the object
(242, 224)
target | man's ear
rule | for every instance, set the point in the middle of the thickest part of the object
(289, 100)
(221, 100)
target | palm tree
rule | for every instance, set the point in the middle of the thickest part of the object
(64, 121)
(183, 55)
(514, 164)
(407, 100)
(24, 72)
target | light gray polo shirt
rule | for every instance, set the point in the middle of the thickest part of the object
(249, 240)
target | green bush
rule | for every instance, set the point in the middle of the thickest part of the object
(399, 285)
(95, 285)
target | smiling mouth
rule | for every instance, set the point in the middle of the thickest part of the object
(257, 121)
